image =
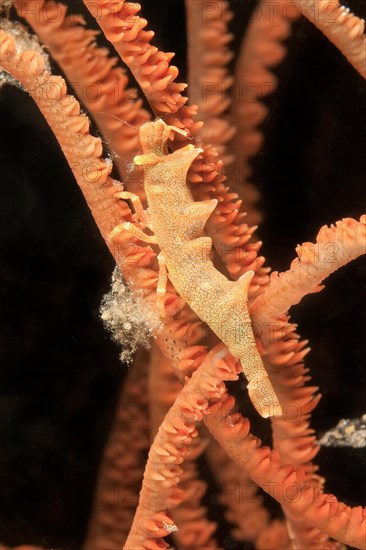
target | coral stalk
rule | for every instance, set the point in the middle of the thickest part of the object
(98, 83)
(204, 390)
(342, 27)
(285, 483)
(121, 472)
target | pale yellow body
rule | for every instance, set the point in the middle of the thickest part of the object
(178, 225)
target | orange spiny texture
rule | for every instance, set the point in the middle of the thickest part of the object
(123, 465)
(264, 466)
(204, 391)
(287, 352)
(125, 28)
(341, 26)
(100, 86)
(209, 77)
(263, 48)
(91, 172)
(190, 514)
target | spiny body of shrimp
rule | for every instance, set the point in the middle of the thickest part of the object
(178, 225)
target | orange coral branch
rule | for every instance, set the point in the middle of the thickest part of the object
(239, 496)
(292, 435)
(334, 248)
(261, 49)
(204, 390)
(285, 483)
(121, 472)
(125, 29)
(83, 153)
(190, 514)
(99, 84)
(209, 78)
(341, 27)
(182, 330)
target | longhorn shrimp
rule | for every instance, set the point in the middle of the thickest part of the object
(177, 222)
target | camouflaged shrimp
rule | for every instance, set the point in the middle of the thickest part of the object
(178, 225)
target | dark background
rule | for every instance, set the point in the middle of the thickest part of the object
(59, 371)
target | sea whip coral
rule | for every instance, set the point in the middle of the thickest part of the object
(180, 334)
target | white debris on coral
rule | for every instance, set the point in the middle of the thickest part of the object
(127, 316)
(347, 433)
(24, 41)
